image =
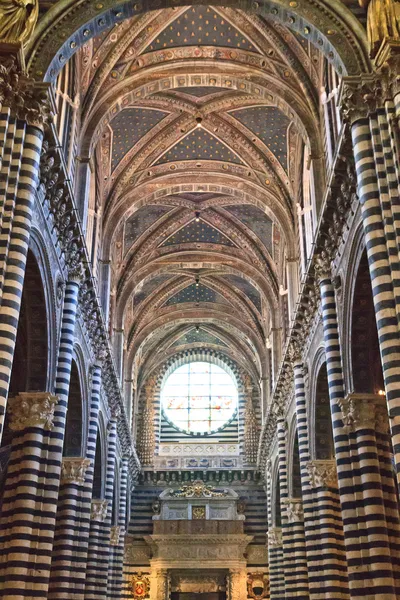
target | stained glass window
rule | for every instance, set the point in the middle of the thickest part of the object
(199, 397)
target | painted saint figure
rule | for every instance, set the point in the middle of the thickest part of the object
(382, 22)
(17, 19)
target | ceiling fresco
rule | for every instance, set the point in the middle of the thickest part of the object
(199, 336)
(199, 117)
(129, 126)
(199, 144)
(201, 26)
(197, 232)
(270, 125)
(196, 293)
(140, 221)
(256, 220)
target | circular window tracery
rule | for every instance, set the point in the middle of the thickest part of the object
(199, 398)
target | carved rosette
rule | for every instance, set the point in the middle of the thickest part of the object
(274, 537)
(322, 473)
(73, 470)
(364, 411)
(32, 409)
(294, 510)
(99, 510)
(115, 534)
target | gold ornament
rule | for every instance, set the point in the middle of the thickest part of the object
(17, 20)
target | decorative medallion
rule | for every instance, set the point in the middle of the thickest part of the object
(140, 585)
(199, 512)
(257, 585)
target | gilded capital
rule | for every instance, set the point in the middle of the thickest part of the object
(99, 510)
(73, 470)
(32, 409)
(322, 473)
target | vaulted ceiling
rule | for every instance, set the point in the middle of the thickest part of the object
(197, 118)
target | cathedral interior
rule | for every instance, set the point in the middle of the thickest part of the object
(199, 300)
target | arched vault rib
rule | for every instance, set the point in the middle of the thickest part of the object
(135, 88)
(240, 190)
(179, 317)
(238, 263)
(346, 47)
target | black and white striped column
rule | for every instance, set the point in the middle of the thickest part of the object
(118, 538)
(30, 498)
(19, 180)
(326, 559)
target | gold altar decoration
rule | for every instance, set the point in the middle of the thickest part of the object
(257, 585)
(140, 586)
(199, 512)
(198, 489)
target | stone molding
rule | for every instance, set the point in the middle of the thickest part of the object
(274, 537)
(294, 510)
(73, 470)
(322, 473)
(364, 411)
(32, 409)
(98, 510)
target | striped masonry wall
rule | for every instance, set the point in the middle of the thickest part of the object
(117, 550)
(66, 577)
(18, 183)
(326, 559)
(385, 303)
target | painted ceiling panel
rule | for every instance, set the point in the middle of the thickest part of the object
(199, 91)
(256, 220)
(247, 288)
(199, 144)
(270, 125)
(194, 293)
(201, 26)
(195, 232)
(140, 221)
(149, 287)
(201, 336)
(129, 126)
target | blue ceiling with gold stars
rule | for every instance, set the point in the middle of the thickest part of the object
(201, 26)
(270, 125)
(256, 220)
(141, 220)
(246, 287)
(195, 232)
(201, 336)
(149, 287)
(129, 126)
(199, 144)
(194, 293)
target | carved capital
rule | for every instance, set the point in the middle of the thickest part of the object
(360, 96)
(364, 411)
(73, 470)
(294, 510)
(115, 533)
(322, 473)
(99, 510)
(76, 273)
(28, 100)
(322, 266)
(274, 537)
(32, 409)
